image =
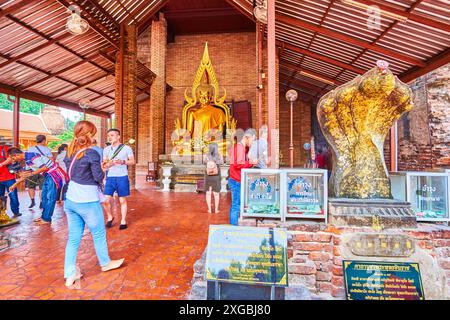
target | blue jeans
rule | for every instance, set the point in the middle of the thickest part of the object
(78, 215)
(49, 192)
(235, 208)
(13, 197)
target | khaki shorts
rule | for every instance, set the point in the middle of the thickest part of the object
(34, 181)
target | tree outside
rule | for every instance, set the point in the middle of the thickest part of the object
(33, 107)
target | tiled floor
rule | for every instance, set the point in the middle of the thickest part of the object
(167, 233)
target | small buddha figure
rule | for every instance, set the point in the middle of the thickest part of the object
(206, 117)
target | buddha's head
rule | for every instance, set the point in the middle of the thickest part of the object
(204, 94)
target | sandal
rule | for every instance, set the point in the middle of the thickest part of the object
(77, 276)
(37, 220)
(109, 223)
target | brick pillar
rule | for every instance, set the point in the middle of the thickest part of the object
(102, 127)
(126, 105)
(158, 52)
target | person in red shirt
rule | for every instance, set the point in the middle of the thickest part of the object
(238, 161)
(322, 158)
(8, 179)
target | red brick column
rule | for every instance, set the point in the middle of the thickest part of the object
(126, 105)
(158, 52)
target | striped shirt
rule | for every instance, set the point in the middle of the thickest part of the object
(35, 161)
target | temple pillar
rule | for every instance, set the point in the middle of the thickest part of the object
(126, 104)
(158, 52)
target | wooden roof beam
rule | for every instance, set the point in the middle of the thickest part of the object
(35, 49)
(142, 25)
(347, 39)
(16, 7)
(54, 41)
(243, 7)
(317, 76)
(102, 10)
(438, 61)
(6, 89)
(407, 14)
(301, 83)
(85, 87)
(75, 65)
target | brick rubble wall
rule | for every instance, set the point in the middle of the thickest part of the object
(424, 132)
(315, 254)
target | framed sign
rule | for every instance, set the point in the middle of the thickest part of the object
(305, 193)
(247, 255)
(260, 196)
(373, 280)
(428, 193)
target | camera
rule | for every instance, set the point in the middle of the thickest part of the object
(15, 167)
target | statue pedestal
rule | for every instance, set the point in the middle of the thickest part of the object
(376, 213)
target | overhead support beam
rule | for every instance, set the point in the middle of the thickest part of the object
(35, 49)
(52, 41)
(85, 87)
(104, 12)
(310, 73)
(321, 57)
(347, 39)
(75, 65)
(16, 7)
(9, 90)
(144, 21)
(301, 83)
(243, 7)
(432, 64)
(407, 15)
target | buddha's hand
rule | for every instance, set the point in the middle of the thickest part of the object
(355, 119)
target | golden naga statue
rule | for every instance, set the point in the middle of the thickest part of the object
(205, 115)
(355, 119)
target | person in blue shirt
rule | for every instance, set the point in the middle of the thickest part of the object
(38, 180)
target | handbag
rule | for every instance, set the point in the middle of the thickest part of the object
(101, 196)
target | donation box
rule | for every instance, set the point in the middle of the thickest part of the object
(428, 193)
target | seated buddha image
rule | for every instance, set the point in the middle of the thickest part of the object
(203, 119)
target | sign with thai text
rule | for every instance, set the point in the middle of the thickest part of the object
(373, 280)
(429, 197)
(247, 255)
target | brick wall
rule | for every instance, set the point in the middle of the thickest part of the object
(316, 251)
(424, 133)
(233, 57)
(302, 130)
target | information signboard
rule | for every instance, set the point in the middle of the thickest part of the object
(247, 255)
(373, 280)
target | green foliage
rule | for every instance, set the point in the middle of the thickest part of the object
(26, 106)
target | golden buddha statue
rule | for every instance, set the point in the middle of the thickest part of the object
(205, 117)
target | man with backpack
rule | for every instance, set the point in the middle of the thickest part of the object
(8, 179)
(38, 180)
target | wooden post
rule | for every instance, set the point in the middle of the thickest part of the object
(271, 75)
(16, 118)
(120, 80)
